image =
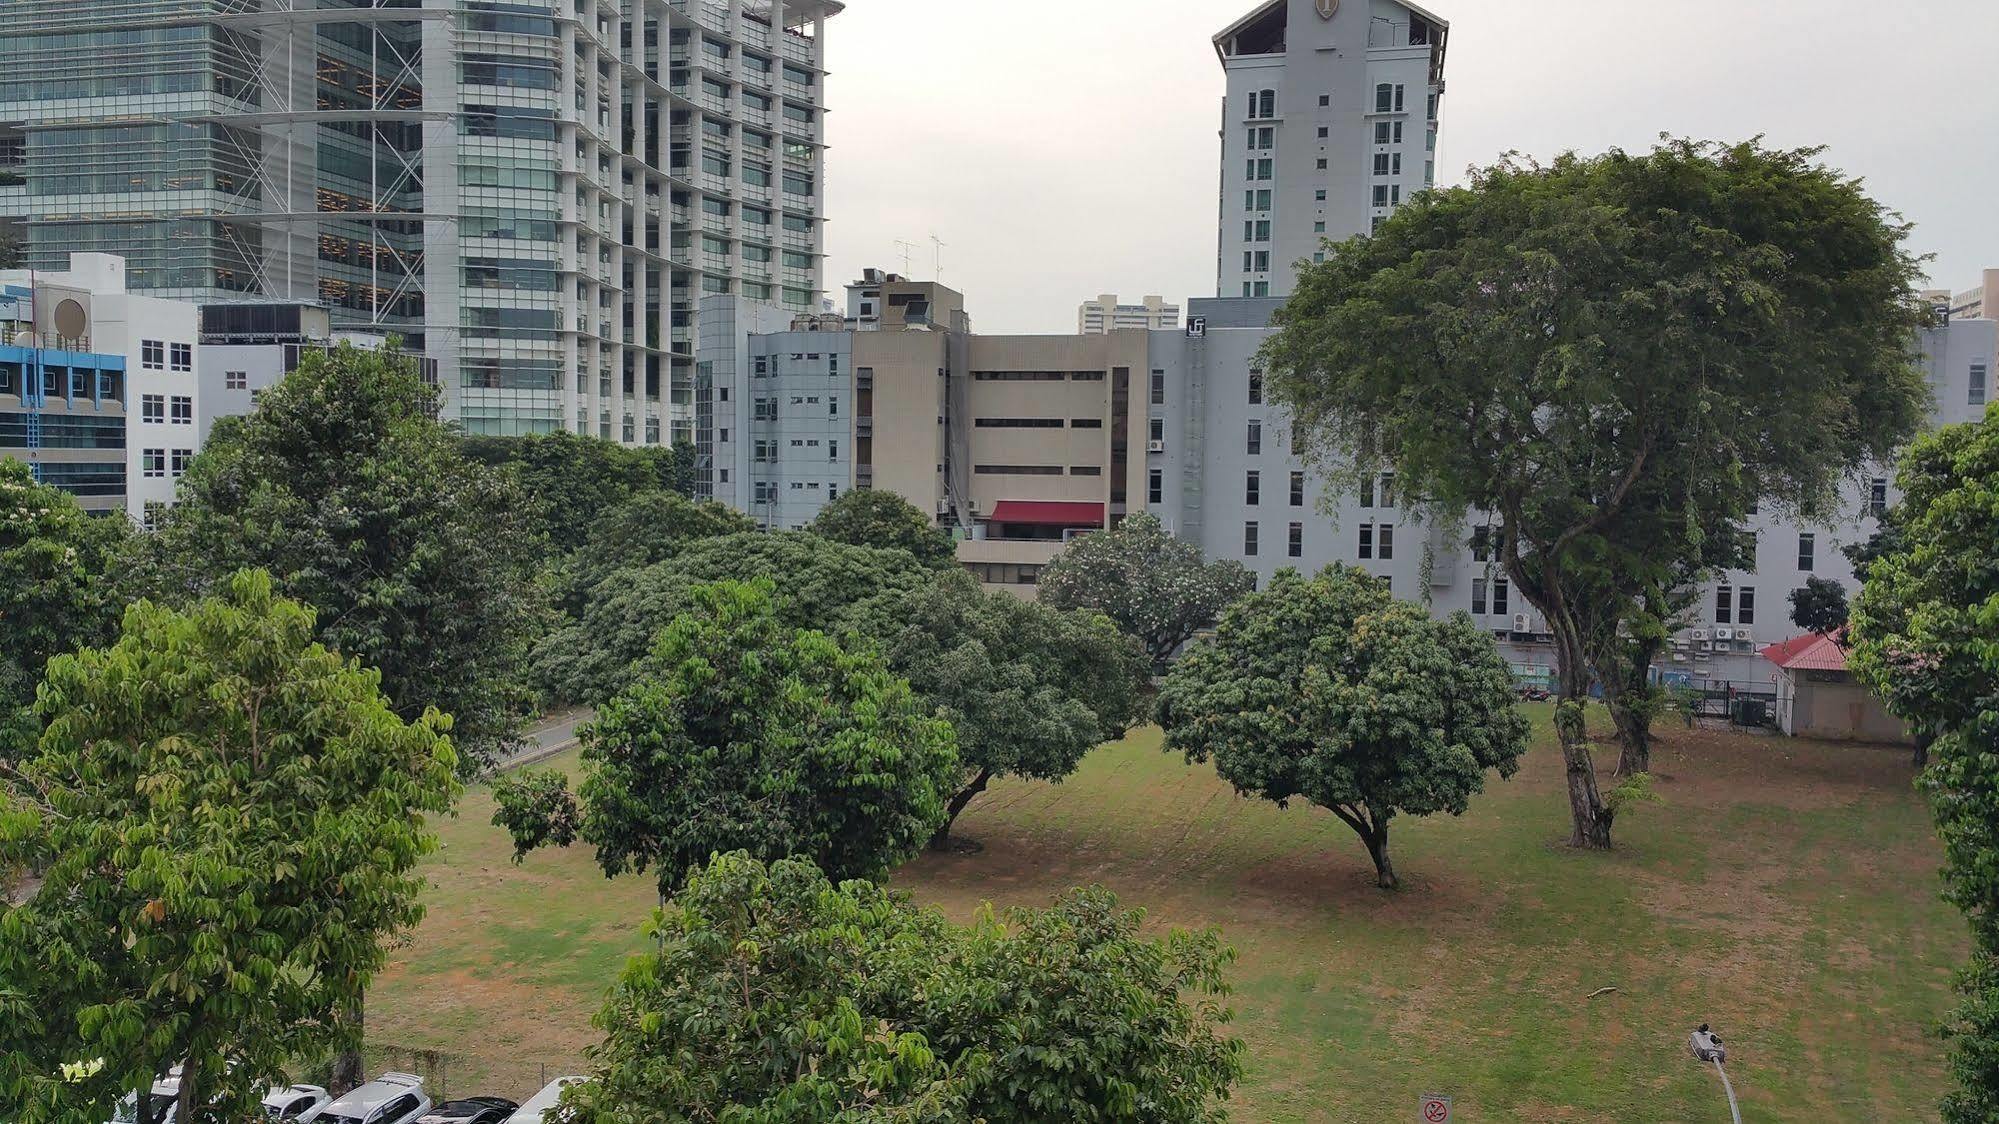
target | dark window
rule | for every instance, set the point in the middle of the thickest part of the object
(1155, 487)
(1297, 543)
(1385, 542)
(1724, 605)
(1252, 488)
(1367, 540)
(1249, 540)
(1807, 551)
(1297, 489)
(1745, 606)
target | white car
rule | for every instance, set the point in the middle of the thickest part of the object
(293, 1102)
(538, 1105)
(392, 1098)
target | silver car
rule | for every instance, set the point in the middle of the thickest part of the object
(392, 1098)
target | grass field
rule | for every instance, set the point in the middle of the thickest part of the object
(1785, 891)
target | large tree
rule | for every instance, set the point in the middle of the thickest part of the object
(868, 1008)
(870, 517)
(1029, 689)
(1925, 635)
(742, 733)
(646, 529)
(1819, 605)
(1154, 586)
(230, 819)
(419, 562)
(60, 587)
(1327, 689)
(1666, 338)
(571, 479)
(820, 584)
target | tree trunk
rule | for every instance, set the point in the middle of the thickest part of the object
(347, 1073)
(1377, 849)
(1920, 757)
(1634, 732)
(942, 840)
(1586, 808)
(189, 1105)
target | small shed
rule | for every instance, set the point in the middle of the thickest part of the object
(1818, 697)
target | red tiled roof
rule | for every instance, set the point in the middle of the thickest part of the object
(1048, 513)
(1814, 651)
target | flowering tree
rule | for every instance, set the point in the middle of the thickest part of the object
(1151, 585)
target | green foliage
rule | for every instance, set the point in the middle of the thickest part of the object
(743, 733)
(419, 562)
(1819, 605)
(1028, 688)
(1331, 690)
(60, 586)
(646, 529)
(868, 517)
(1926, 638)
(537, 810)
(821, 582)
(1153, 586)
(230, 819)
(865, 1008)
(1616, 357)
(572, 479)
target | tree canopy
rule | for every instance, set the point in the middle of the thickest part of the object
(1923, 637)
(1152, 585)
(820, 582)
(743, 733)
(870, 1009)
(418, 562)
(870, 517)
(1819, 605)
(1611, 349)
(1330, 690)
(61, 586)
(571, 479)
(230, 819)
(646, 529)
(1029, 689)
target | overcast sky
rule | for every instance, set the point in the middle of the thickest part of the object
(1065, 148)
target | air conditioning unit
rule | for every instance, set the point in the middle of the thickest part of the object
(1679, 657)
(1742, 637)
(1704, 647)
(1521, 623)
(1700, 636)
(1155, 446)
(1724, 634)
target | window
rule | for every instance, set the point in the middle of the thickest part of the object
(1249, 540)
(1254, 443)
(1323, 132)
(1478, 596)
(832, 450)
(1481, 544)
(1388, 489)
(1256, 388)
(1977, 384)
(236, 380)
(153, 463)
(1366, 540)
(1807, 550)
(154, 509)
(1499, 596)
(1325, 100)
(1295, 546)
(183, 409)
(1745, 605)
(1724, 605)
(1252, 488)
(1388, 98)
(1297, 488)
(1319, 195)
(153, 355)
(1877, 497)
(1367, 492)
(181, 457)
(183, 356)
(1155, 487)
(153, 408)
(1156, 430)
(1263, 104)
(1319, 227)
(1159, 388)
(1381, 195)
(1381, 163)
(1322, 163)
(1433, 104)
(1384, 542)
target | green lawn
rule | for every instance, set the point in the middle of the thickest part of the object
(1785, 891)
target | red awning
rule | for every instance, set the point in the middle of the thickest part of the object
(1048, 513)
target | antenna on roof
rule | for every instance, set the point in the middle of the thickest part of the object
(906, 248)
(936, 257)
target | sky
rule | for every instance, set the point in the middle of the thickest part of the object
(1064, 148)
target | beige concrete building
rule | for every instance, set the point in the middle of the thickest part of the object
(1014, 443)
(1105, 314)
(1970, 304)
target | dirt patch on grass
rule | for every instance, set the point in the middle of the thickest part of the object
(1716, 768)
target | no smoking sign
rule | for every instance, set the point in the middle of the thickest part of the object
(1435, 1109)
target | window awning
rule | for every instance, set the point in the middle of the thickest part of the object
(1048, 513)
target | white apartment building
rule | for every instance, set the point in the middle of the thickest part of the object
(1105, 314)
(99, 391)
(1329, 122)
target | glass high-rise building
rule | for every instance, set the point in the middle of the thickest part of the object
(536, 193)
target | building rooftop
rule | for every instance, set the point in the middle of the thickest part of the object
(1814, 651)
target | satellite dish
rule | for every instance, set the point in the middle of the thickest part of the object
(71, 321)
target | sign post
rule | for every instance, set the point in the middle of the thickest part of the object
(1436, 1109)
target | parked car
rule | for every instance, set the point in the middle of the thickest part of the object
(471, 1110)
(293, 1102)
(538, 1105)
(392, 1098)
